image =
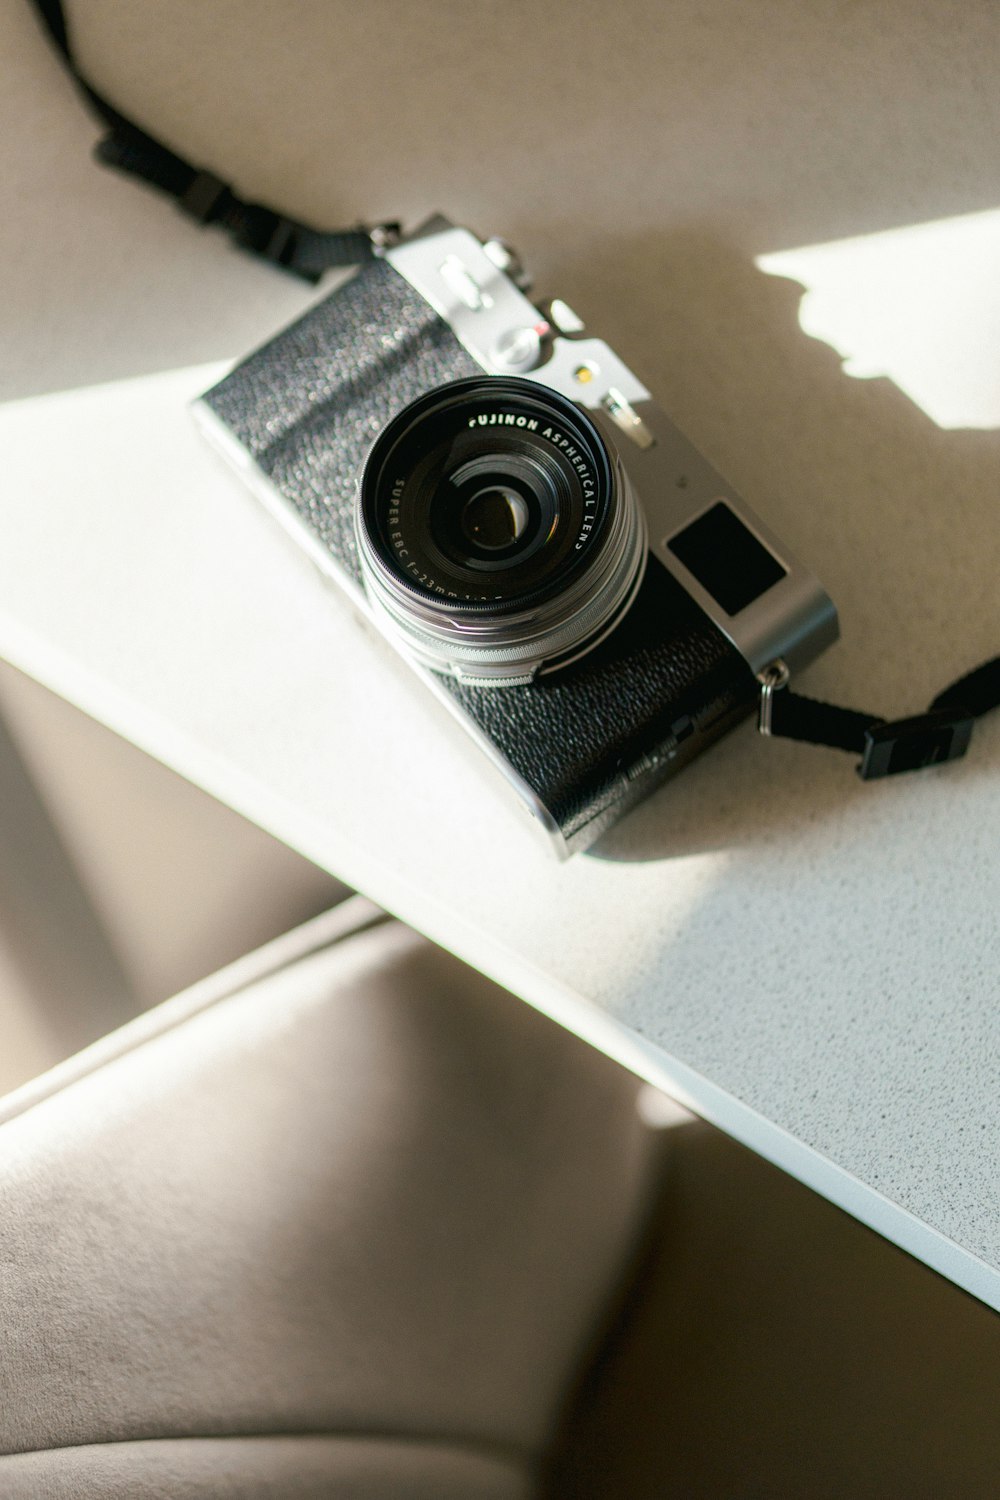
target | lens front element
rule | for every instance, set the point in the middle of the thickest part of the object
(492, 512)
(496, 531)
(495, 518)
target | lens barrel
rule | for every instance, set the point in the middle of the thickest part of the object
(498, 534)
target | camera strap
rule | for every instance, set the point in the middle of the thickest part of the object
(886, 746)
(206, 198)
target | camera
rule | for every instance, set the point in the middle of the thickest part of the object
(501, 495)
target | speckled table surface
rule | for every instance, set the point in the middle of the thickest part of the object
(808, 961)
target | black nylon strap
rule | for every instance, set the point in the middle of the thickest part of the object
(284, 241)
(888, 747)
(794, 717)
(978, 692)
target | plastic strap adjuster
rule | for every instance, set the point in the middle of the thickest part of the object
(270, 235)
(911, 744)
(201, 197)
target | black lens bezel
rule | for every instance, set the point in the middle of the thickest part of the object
(402, 476)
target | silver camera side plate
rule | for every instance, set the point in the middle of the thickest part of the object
(793, 620)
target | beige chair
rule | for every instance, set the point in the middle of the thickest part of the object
(340, 1221)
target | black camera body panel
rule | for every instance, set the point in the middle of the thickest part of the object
(595, 738)
(582, 744)
(308, 405)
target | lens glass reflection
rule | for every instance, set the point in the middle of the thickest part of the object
(494, 518)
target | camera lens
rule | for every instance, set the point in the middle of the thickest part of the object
(491, 493)
(495, 529)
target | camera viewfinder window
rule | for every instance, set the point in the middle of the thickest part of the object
(726, 559)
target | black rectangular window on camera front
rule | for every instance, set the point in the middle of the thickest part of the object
(726, 559)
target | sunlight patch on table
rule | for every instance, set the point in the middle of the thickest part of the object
(920, 305)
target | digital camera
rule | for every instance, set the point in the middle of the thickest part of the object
(502, 496)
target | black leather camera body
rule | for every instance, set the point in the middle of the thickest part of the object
(502, 496)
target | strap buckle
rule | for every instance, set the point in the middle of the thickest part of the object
(928, 739)
(269, 234)
(201, 198)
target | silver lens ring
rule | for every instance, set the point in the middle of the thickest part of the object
(511, 645)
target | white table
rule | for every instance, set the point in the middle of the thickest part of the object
(806, 961)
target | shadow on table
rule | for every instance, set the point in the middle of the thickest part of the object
(896, 516)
